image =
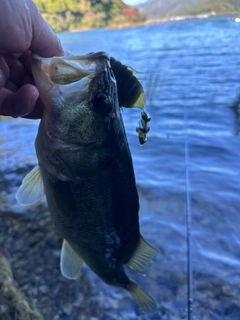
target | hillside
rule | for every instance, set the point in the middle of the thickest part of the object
(220, 7)
(158, 9)
(82, 14)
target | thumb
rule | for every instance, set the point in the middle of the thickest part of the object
(44, 41)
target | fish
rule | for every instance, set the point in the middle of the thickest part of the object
(86, 172)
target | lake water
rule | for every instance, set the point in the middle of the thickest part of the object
(191, 76)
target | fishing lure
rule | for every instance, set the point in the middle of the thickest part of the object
(131, 94)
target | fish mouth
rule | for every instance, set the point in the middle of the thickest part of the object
(68, 69)
(70, 78)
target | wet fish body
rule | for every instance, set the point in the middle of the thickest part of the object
(86, 171)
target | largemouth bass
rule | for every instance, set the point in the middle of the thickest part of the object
(86, 172)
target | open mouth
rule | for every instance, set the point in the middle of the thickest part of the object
(68, 69)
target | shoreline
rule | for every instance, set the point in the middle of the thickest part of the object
(149, 22)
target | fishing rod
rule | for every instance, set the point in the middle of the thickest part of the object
(188, 221)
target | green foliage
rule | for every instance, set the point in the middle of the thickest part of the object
(76, 14)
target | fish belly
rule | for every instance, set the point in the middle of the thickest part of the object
(98, 216)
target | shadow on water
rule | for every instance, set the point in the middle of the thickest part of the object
(236, 111)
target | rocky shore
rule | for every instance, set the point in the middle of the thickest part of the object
(32, 247)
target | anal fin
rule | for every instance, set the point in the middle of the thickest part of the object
(71, 262)
(31, 189)
(142, 257)
(143, 299)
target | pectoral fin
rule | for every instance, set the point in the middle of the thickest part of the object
(32, 189)
(142, 257)
(143, 299)
(71, 262)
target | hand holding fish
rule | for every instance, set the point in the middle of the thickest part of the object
(25, 31)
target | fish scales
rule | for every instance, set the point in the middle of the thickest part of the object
(90, 205)
(86, 170)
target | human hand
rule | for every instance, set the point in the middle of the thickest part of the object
(23, 31)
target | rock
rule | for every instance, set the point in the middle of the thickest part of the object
(43, 289)
(13, 304)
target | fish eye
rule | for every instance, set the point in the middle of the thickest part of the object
(102, 104)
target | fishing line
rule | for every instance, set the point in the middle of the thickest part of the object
(188, 219)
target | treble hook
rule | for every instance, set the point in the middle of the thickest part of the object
(143, 127)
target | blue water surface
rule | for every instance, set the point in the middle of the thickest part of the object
(191, 76)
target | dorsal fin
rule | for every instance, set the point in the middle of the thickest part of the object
(71, 262)
(31, 189)
(142, 257)
(143, 299)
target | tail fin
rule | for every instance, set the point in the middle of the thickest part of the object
(143, 299)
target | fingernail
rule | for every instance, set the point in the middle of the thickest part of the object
(35, 94)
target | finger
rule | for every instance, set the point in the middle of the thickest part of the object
(16, 21)
(11, 86)
(28, 30)
(26, 58)
(44, 41)
(10, 59)
(37, 111)
(17, 72)
(19, 103)
(27, 80)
